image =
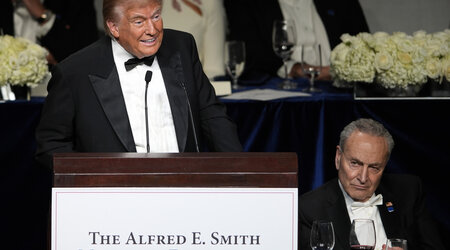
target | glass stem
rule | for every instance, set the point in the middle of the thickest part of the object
(285, 70)
(235, 83)
(311, 81)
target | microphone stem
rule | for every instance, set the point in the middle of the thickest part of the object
(192, 117)
(146, 119)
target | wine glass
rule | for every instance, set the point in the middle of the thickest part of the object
(234, 60)
(396, 244)
(311, 65)
(322, 235)
(283, 42)
(362, 234)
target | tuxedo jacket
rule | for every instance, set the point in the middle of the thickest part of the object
(252, 22)
(85, 108)
(408, 219)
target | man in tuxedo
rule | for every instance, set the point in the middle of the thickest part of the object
(317, 22)
(62, 27)
(362, 190)
(142, 89)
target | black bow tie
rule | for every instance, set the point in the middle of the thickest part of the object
(133, 62)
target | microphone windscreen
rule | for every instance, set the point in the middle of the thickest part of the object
(148, 76)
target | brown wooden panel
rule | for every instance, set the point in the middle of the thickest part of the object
(175, 170)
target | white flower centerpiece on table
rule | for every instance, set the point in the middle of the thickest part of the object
(397, 60)
(23, 63)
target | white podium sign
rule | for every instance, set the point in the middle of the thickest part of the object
(174, 218)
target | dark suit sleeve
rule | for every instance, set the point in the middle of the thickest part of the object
(304, 226)
(339, 17)
(424, 229)
(251, 21)
(55, 130)
(410, 218)
(6, 17)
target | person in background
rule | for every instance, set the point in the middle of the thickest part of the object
(140, 89)
(206, 21)
(317, 22)
(62, 27)
(362, 190)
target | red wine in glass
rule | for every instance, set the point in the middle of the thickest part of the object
(361, 247)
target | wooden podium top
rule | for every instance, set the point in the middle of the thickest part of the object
(242, 169)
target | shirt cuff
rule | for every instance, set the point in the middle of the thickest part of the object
(46, 27)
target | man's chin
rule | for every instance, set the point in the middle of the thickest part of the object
(360, 196)
(147, 53)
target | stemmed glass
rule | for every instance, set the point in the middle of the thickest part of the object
(396, 244)
(234, 60)
(283, 42)
(322, 235)
(362, 234)
(312, 65)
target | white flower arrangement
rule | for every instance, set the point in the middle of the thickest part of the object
(22, 62)
(396, 60)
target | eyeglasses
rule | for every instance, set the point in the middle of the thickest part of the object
(355, 164)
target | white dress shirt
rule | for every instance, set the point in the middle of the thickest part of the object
(309, 30)
(367, 212)
(162, 134)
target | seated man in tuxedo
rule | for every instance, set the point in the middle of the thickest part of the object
(140, 89)
(394, 202)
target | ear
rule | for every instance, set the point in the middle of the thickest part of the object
(337, 158)
(113, 28)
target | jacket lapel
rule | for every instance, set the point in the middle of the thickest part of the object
(338, 211)
(109, 93)
(389, 214)
(172, 72)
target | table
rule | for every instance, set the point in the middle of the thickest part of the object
(309, 126)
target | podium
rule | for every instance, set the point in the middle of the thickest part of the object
(174, 201)
(175, 170)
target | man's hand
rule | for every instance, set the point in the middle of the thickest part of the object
(297, 71)
(51, 59)
(390, 248)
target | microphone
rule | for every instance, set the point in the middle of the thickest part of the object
(190, 114)
(148, 78)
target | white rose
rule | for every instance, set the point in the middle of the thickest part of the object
(345, 37)
(383, 61)
(407, 45)
(23, 62)
(433, 68)
(404, 57)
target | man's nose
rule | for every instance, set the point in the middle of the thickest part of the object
(150, 28)
(363, 174)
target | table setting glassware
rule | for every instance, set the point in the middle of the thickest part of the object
(322, 235)
(283, 43)
(396, 244)
(234, 60)
(362, 235)
(312, 70)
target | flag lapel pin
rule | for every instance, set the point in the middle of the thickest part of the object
(390, 207)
